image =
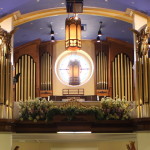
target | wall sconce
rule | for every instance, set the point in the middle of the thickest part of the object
(73, 33)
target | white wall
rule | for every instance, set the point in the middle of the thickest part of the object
(89, 88)
(5, 141)
(106, 145)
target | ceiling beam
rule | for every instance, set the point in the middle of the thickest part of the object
(24, 18)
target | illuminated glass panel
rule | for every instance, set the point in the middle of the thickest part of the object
(62, 66)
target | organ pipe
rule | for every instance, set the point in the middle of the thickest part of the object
(46, 74)
(102, 70)
(25, 88)
(122, 77)
(5, 74)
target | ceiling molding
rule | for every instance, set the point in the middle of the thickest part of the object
(131, 12)
(24, 18)
(15, 16)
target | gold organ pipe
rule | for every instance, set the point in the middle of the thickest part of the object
(140, 81)
(99, 70)
(101, 74)
(113, 67)
(22, 78)
(7, 83)
(25, 78)
(146, 79)
(46, 71)
(43, 65)
(131, 81)
(102, 77)
(119, 81)
(122, 77)
(17, 84)
(48, 67)
(50, 72)
(106, 74)
(42, 73)
(149, 84)
(128, 69)
(0, 82)
(125, 69)
(116, 77)
(97, 79)
(29, 77)
(32, 78)
(34, 83)
(104, 83)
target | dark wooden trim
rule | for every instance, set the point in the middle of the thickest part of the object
(96, 126)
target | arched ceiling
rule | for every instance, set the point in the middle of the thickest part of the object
(39, 28)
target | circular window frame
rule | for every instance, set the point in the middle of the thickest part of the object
(80, 53)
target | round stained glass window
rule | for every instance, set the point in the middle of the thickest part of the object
(85, 69)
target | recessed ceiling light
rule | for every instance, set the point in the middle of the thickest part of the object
(38, 0)
(115, 21)
(74, 132)
(132, 2)
(62, 3)
(106, 0)
(1, 8)
(61, 28)
(41, 28)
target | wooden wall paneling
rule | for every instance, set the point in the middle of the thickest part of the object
(32, 49)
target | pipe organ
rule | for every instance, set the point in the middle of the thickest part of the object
(122, 77)
(25, 87)
(5, 74)
(144, 85)
(46, 74)
(142, 72)
(102, 70)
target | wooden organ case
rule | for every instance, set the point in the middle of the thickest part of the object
(34, 61)
(113, 70)
(114, 73)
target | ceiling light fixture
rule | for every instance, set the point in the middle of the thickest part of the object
(73, 33)
(52, 34)
(99, 32)
(100, 27)
(52, 39)
(98, 39)
(78, 132)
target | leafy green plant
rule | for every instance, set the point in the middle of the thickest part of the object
(40, 109)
